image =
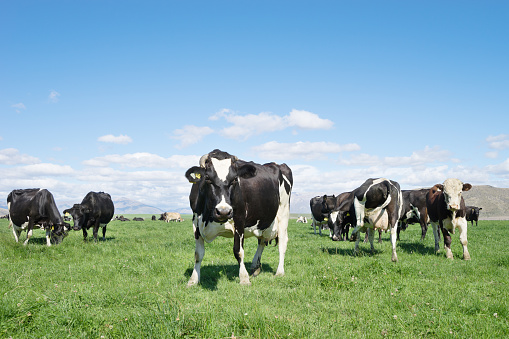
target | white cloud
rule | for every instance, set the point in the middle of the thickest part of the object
(53, 96)
(501, 169)
(428, 155)
(121, 139)
(44, 169)
(245, 126)
(190, 135)
(19, 107)
(11, 156)
(304, 150)
(144, 160)
(498, 142)
(491, 155)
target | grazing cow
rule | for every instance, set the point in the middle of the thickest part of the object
(35, 207)
(473, 214)
(154, 218)
(414, 210)
(171, 216)
(96, 210)
(321, 206)
(122, 218)
(302, 220)
(138, 219)
(233, 198)
(376, 204)
(340, 224)
(446, 208)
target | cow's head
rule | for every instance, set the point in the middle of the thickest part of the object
(452, 189)
(328, 204)
(58, 232)
(338, 221)
(218, 185)
(80, 215)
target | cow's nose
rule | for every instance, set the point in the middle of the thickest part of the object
(454, 207)
(223, 212)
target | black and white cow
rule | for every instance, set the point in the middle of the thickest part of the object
(233, 198)
(414, 210)
(340, 222)
(446, 209)
(96, 210)
(472, 214)
(321, 207)
(29, 208)
(376, 204)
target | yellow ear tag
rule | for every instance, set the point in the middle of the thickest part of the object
(197, 175)
(326, 219)
(347, 214)
(52, 228)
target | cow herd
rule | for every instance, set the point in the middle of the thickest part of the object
(379, 204)
(237, 199)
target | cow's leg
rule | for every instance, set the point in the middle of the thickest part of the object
(48, 237)
(85, 234)
(399, 229)
(30, 228)
(320, 228)
(314, 225)
(238, 251)
(104, 233)
(283, 242)
(379, 236)
(394, 237)
(366, 237)
(16, 231)
(436, 236)
(447, 243)
(257, 264)
(96, 230)
(371, 236)
(463, 225)
(199, 252)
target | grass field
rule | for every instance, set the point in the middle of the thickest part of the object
(133, 285)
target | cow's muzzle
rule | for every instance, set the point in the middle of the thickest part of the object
(222, 214)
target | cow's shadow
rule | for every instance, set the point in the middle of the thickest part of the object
(416, 247)
(211, 274)
(350, 251)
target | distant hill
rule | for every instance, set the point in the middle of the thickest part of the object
(493, 200)
(128, 206)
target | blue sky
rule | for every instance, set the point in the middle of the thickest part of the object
(124, 96)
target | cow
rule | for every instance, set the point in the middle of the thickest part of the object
(473, 214)
(138, 219)
(233, 198)
(341, 226)
(96, 210)
(302, 220)
(376, 204)
(154, 218)
(320, 208)
(35, 207)
(446, 209)
(171, 216)
(414, 210)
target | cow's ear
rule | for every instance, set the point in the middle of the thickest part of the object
(439, 186)
(194, 174)
(66, 211)
(324, 197)
(480, 208)
(246, 171)
(467, 187)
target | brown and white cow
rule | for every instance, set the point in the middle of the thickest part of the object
(446, 208)
(171, 216)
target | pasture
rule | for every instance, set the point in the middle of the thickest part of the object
(133, 285)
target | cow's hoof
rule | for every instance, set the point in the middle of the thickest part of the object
(394, 258)
(245, 283)
(466, 257)
(192, 283)
(256, 271)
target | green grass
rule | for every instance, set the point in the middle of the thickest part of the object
(133, 285)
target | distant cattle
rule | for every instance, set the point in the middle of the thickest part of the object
(472, 214)
(414, 210)
(29, 208)
(154, 217)
(376, 204)
(446, 209)
(138, 219)
(171, 216)
(234, 198)
(320, 207)
(302, 219)
(121, 218)
(95, 210)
